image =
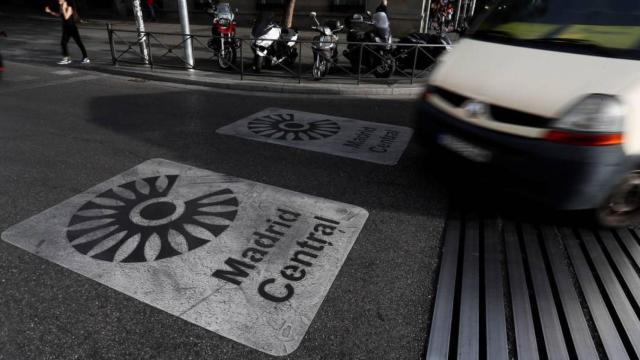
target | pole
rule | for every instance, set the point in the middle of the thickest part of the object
(464, 11)
(458, 10)
(424, 27)
(288, 16)
(473, 8)
(142, 38)
(111, 44)
(186, 33)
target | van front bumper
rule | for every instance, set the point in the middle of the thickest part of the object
(557, 175)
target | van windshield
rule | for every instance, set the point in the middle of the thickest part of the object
(594, 27)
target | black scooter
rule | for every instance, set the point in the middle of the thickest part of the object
(377, 55)
(324, 46)
(427, 55)
(271, 44)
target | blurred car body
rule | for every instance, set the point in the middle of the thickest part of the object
(546, 94)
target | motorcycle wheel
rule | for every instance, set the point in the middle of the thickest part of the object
(257, 63)
(291, 58)
(228, 59)
(319, 68)
(385, 68)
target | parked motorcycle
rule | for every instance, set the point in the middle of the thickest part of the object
(223, 35)
(271, 44)
(324, 46)
(375, 58)
(406, 55)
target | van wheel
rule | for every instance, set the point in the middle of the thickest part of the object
(622, 206)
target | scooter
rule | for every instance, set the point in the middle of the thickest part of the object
(324, 46)
(271, 44)
(223, 35)
(427, 55)
(376, 58)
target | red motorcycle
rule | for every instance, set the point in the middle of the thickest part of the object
(223, 41)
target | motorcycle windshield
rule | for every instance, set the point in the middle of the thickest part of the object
(224, 11)
(262, 25)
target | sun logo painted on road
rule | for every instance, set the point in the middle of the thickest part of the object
(143, 220)
(285, 127)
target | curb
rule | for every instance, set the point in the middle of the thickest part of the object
(201, 78)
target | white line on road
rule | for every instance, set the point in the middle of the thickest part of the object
(63, 72)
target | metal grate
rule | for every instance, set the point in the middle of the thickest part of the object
(534, 291)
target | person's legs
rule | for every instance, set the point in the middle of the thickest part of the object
(76, 37)
(64, 42)
(152, 11)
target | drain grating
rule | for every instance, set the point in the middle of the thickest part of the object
(532, 291)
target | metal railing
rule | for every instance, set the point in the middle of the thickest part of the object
(413, 61)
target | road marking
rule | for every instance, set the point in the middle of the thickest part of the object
(362, 140)
(49, 83)
(63, 72)
(248, 261)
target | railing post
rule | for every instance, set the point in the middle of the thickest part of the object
(241, 59)
(111, 44)
(360, 63)
(300, 63)
(415, 60)
(149, 50)
(186, 33)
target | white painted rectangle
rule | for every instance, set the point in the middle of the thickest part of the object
(357, 139)
(167, 234)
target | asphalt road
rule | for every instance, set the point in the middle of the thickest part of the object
(64, 130)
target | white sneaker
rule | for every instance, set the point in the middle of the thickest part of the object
(86, 60)
(64, 61)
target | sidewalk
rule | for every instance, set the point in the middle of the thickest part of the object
(35, 38)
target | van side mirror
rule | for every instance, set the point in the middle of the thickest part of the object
(313, 14)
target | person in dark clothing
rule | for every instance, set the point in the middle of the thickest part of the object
(382, 7)
(69, 30)
(152, 9)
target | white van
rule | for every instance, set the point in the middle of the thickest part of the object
(547, 93)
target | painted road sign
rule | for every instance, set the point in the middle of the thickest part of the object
(356, 139)
(248, 261)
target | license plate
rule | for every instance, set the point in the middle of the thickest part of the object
(464, 148)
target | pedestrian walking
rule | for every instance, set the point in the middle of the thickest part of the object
(69, 30)
(152, 9)
(450, 10)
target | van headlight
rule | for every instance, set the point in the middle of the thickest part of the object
(594, 121)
